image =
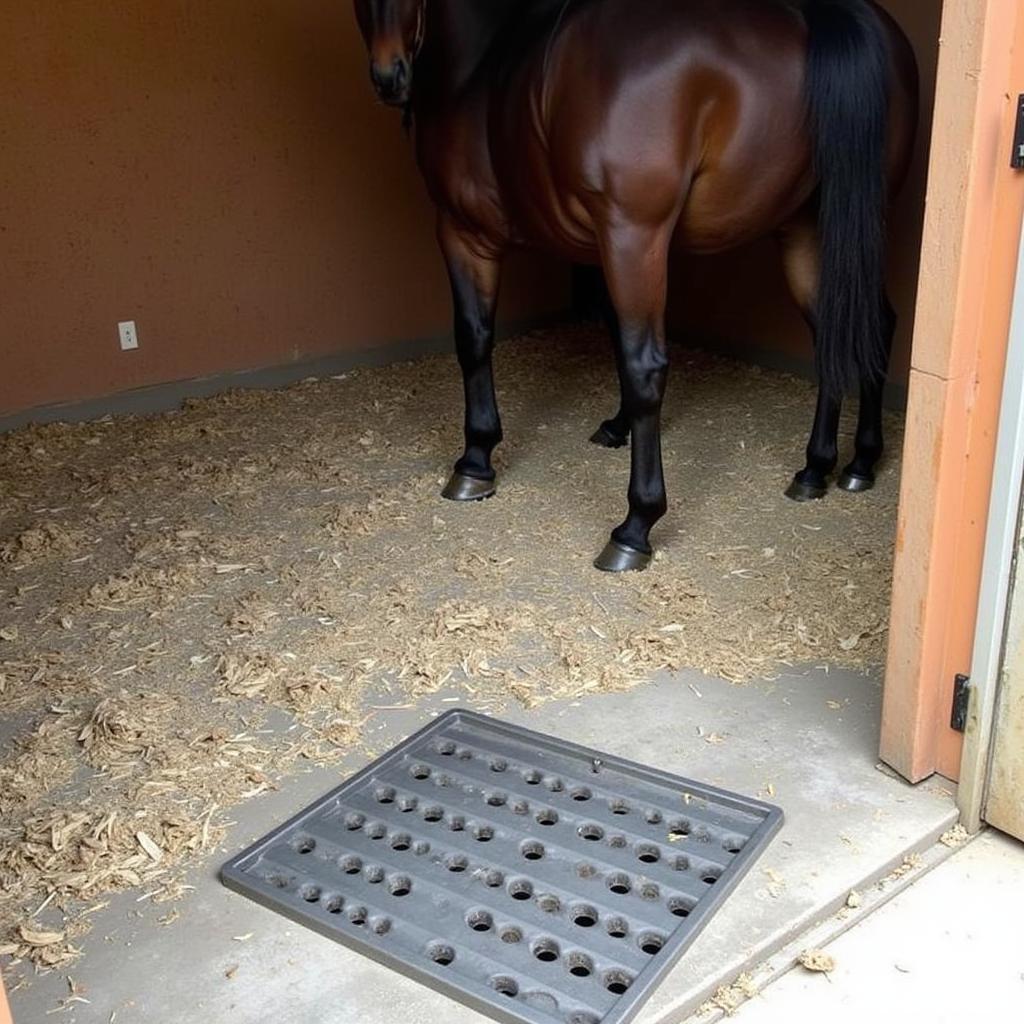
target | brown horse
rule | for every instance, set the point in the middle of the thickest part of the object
(613, 132)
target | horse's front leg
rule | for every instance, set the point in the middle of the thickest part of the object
(636, 267)
(475, 276)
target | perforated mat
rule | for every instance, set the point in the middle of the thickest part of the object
(530, 878)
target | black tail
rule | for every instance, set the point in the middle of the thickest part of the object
(847, 85)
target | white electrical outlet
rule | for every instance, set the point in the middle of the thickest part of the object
(128, 335)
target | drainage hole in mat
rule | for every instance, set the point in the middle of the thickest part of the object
(555, 785)
(483, 833)
(549, 903)
(520, 889)
(652, 817)
(649, 891)
(493, 879)
(433, 814)
(709, 877)
(496, 799)
(310, 893)
(680, 906)
(619, 807)
(619, 884)
(446, 748)
(546, 950)
(334, 904)
(377, 830)
(580, 965)
(510, 934)
(456, 862)
(680, 863)
(591, 832)
(385, 795)
(648, 854)
(617, 982)
(464, 754)
(480, 920)
(651, 943)
(419, 771)
(277, 881)
(499, 765)
(581, 794)
(532, 850)
(380, 925)
(506, 986)
(532, 777)
(400, 885)
(733, 844)
(407, 804)
(401, 842)
(618, 842)
(583, 916)
(678, 829)
(444, 781)
(520, 807)
(441, 953)
(304, 844)
(374, 874)
(618, 927)
(350, 865)
(357, 915)
(354, 822)
(547, 817)
(422, 848)
(457, 823)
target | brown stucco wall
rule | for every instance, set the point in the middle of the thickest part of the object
(739, 301)
(216, 172)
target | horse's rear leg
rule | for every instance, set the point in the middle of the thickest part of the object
(800, 260)
(474, 280)
(636, 267)
(859, 475)
(613, 433)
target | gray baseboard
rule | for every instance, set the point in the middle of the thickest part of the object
(159, 398)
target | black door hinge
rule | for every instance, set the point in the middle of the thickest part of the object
(961, 703)
(1017, 160)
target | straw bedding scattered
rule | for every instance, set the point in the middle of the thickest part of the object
(170, 587)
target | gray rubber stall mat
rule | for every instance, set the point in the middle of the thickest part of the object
(530, 878)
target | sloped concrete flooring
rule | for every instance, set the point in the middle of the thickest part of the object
(806, 741)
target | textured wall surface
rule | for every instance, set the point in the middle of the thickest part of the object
(217, 172)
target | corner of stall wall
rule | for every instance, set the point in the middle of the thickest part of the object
(968, 262)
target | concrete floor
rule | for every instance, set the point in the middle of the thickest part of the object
(806, 741)
(948, 949)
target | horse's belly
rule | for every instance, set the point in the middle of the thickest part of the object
(719, 215)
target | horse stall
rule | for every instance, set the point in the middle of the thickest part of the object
(229, 580)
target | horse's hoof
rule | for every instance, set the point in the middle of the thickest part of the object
(801, 492)
(618, 557)
(855, 483)
(608, 438)
(468, 488)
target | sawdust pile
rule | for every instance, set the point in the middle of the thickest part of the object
(173, 589)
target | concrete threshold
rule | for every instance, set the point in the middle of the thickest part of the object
(807, 741)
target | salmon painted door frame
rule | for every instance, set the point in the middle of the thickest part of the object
(968, 263)
(5, 1012)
